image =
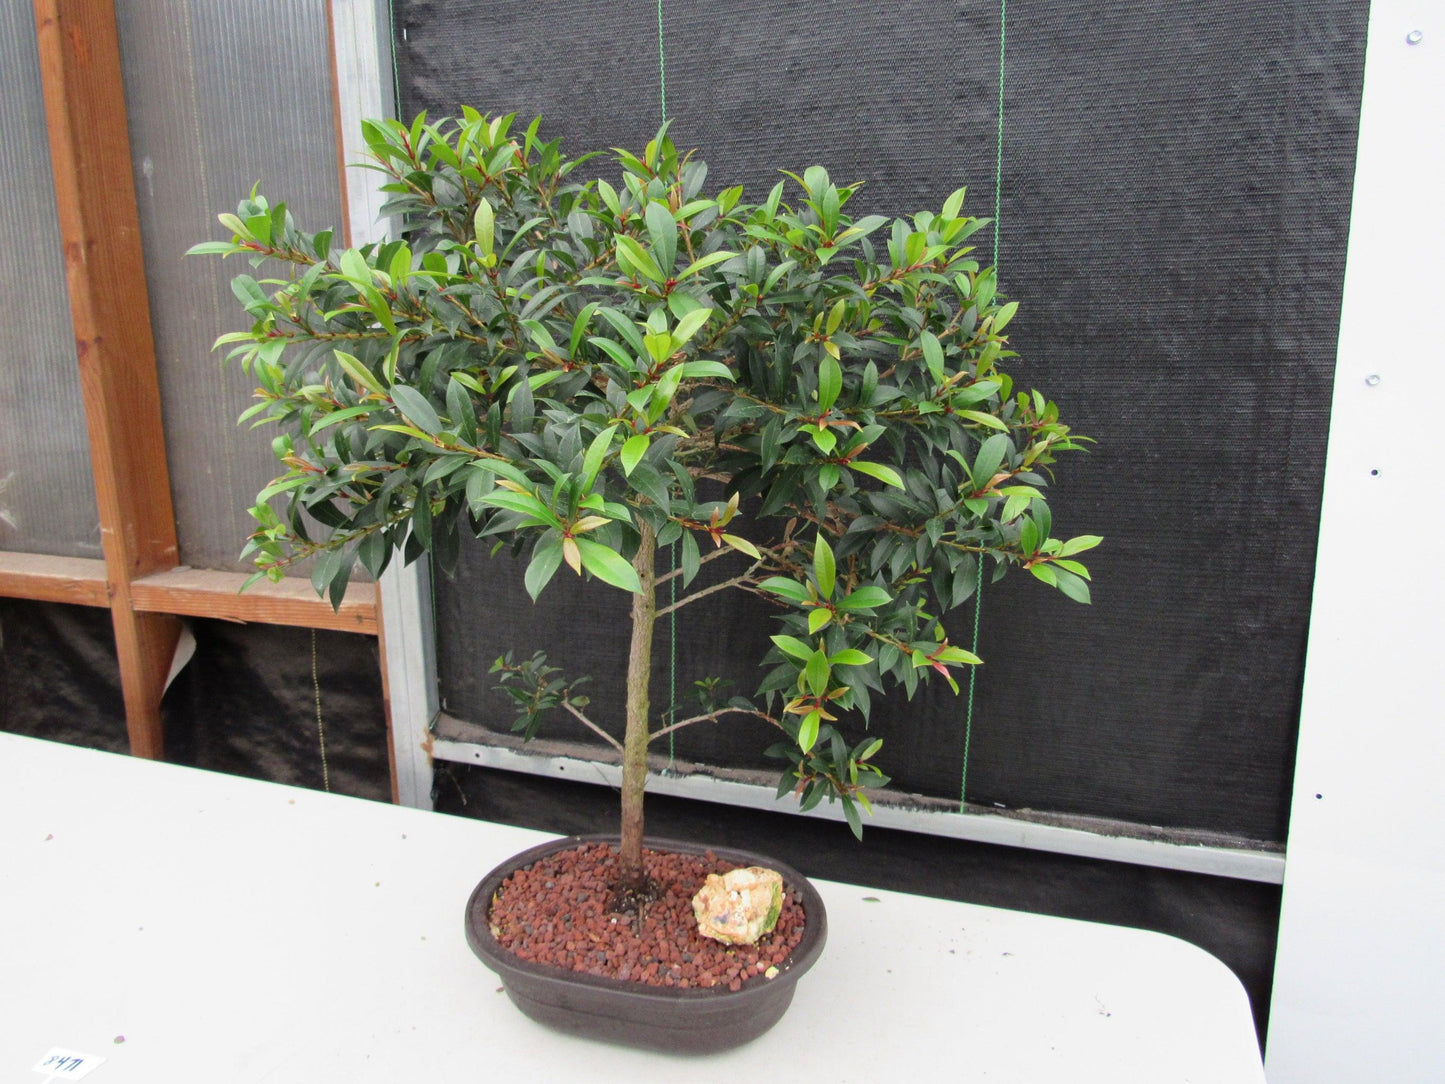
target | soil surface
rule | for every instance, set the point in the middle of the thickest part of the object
(556, 912)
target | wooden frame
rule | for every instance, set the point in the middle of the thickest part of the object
(110, 313)
(139, 580)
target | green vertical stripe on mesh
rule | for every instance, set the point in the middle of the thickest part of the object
(661, 64)
(978, 580)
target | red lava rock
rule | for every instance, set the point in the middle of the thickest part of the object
(663, 948)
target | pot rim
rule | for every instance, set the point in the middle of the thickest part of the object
(504, 962)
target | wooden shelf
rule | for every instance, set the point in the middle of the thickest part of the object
(188, 592)
(194, 592)
(78, 580)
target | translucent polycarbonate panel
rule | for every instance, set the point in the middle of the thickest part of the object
(220, 97)
(47, 495)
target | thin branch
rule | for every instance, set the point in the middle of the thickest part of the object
(736, 581)
(590, 725)
(711, 716)
(713, 556)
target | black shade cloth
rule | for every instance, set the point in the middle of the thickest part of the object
(244, 704)
(1174, 207)
(59, 678)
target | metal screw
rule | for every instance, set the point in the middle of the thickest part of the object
(1372, 380)
(1414, 37)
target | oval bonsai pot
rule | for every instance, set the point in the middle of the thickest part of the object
(687, 1021)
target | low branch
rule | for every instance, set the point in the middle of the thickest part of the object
(712, 716)
(736, 581)
(590, 725)
(713, 556)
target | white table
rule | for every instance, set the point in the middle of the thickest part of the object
(231, 930)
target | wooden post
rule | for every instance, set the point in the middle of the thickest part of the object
(100, 230)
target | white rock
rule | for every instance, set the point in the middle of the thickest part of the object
(740, 906)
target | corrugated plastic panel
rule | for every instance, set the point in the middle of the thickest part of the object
(47, 496)
(219, 97)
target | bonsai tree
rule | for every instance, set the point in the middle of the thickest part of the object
(587, 371)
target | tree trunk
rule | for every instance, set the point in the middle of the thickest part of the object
(631, 876)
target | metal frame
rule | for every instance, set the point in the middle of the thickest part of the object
(361, 53)
(1356, 983)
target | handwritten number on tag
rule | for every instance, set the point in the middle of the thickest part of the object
(66, 1064)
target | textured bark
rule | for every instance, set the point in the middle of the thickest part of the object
(631, 876)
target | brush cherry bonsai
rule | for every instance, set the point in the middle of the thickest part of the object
(587, 372)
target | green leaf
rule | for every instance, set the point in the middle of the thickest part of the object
(484, 222)
(615, 351)
(817, 672)
(932, 354)
(1030, 536)
(818, 618)
(249, 293)
(609, 197)
(235, 225)
(741, 544)
(546, 559)
(608, 565)
(850, 812)
(824, 567)
(790, 645)
(887, 475)
(625, 327)
(808, 730)
(579, 327)
(336, 417)
(416, 408)
(523, 503)
(983, 419)
(1078, 544)
(691, 560)
(953, 204)
(789, 589)
(830, 383)
(659, 345)
(865, 598)
(702, 263)
(638, 258)
(688, 326)
(355, 267)
(830, 205)
(635, 448)
(714, 369)
(359, 372)
(596, 456)
(990, 457)
(662, 228)
(1045, 573)
(421, 520)
(1073, 586)
(850, 656)
(823, 438)
(463, 414)
(1005, 314)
